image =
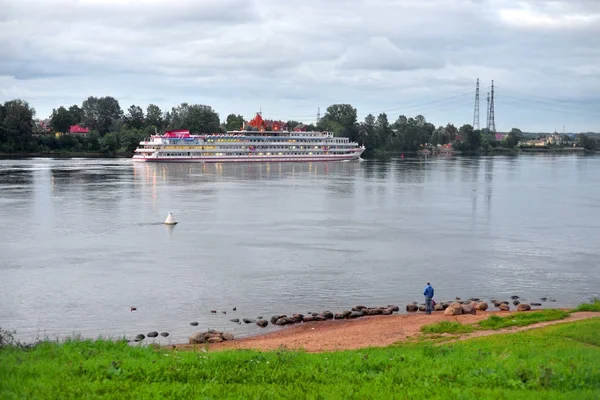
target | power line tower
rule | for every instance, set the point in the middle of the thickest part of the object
(492, 118)
(318, 115)
(476, 112)
(487, 118)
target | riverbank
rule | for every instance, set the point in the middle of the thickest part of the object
(496, 151)
(554, 362)
(66, 154)
(375, 331)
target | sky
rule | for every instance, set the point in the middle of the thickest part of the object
(290, 58)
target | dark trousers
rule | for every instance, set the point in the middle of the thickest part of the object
(428, 307)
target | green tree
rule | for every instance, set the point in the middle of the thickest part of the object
(154, 117)
(587, 142)
(470, 137)
(426, 129)
(109, 143)
(234, 122)
(129, 139)
(134, 118)
(93, 141)
(292, 124)
(69, 143)
(367, 133)
(61, 120)
(415, 132)
(384, 130)
(16, 126)
(513, 138)
(102, 114)
(76, 114)
(399, 128)
(196, 118)
(488, 141)
(341, 120)
(451, 132)
(438, 136)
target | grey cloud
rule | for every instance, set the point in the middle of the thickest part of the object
(157, 14)
(381, 53)
(297, 54)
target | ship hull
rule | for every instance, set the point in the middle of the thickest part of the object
(249, 159)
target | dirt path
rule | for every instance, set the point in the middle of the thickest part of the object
(376, 331)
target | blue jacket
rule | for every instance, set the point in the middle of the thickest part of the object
(428, 291)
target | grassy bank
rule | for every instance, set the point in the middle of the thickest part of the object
(556, 362)
(496, 322)
(594, 306)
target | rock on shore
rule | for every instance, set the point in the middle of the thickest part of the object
(262, 323)
(454, 309)
(210, 336)
(523, 307)
(469, 309)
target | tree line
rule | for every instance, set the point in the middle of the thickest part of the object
(113, 130)
(407, 134)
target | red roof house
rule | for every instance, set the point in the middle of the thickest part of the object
(276, 125)
(78, 130)
(300, 128)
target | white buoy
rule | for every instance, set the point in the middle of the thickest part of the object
(170, 220)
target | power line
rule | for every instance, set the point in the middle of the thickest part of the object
(519, 103)
(444, 106)
(308, 116)
(545, 103)
(422, 104)
(528, 95)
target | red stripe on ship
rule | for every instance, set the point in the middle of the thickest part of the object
(245, 159)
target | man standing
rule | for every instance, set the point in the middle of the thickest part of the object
(428, 297)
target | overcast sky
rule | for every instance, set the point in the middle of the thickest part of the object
(290, 57)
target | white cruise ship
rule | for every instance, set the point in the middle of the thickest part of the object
(247, 146)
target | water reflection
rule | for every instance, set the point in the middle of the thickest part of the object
(16, 179)
(488, 163)
(212, 172)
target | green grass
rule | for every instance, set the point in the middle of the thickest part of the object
(496, 322)
(557, 362)
(447, 327)
(594, 306)
(522, 319)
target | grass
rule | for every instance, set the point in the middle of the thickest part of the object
(495, 322)
(447, 327)
(594, 306)
(557, 362)
(522, 319)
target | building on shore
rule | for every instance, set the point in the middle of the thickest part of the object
(78, 130)
(260, 124)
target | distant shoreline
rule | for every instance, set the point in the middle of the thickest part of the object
(66, 155)
(492, 152)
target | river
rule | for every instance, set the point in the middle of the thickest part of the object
(82, 240)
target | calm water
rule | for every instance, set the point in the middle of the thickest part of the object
(81, 240)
